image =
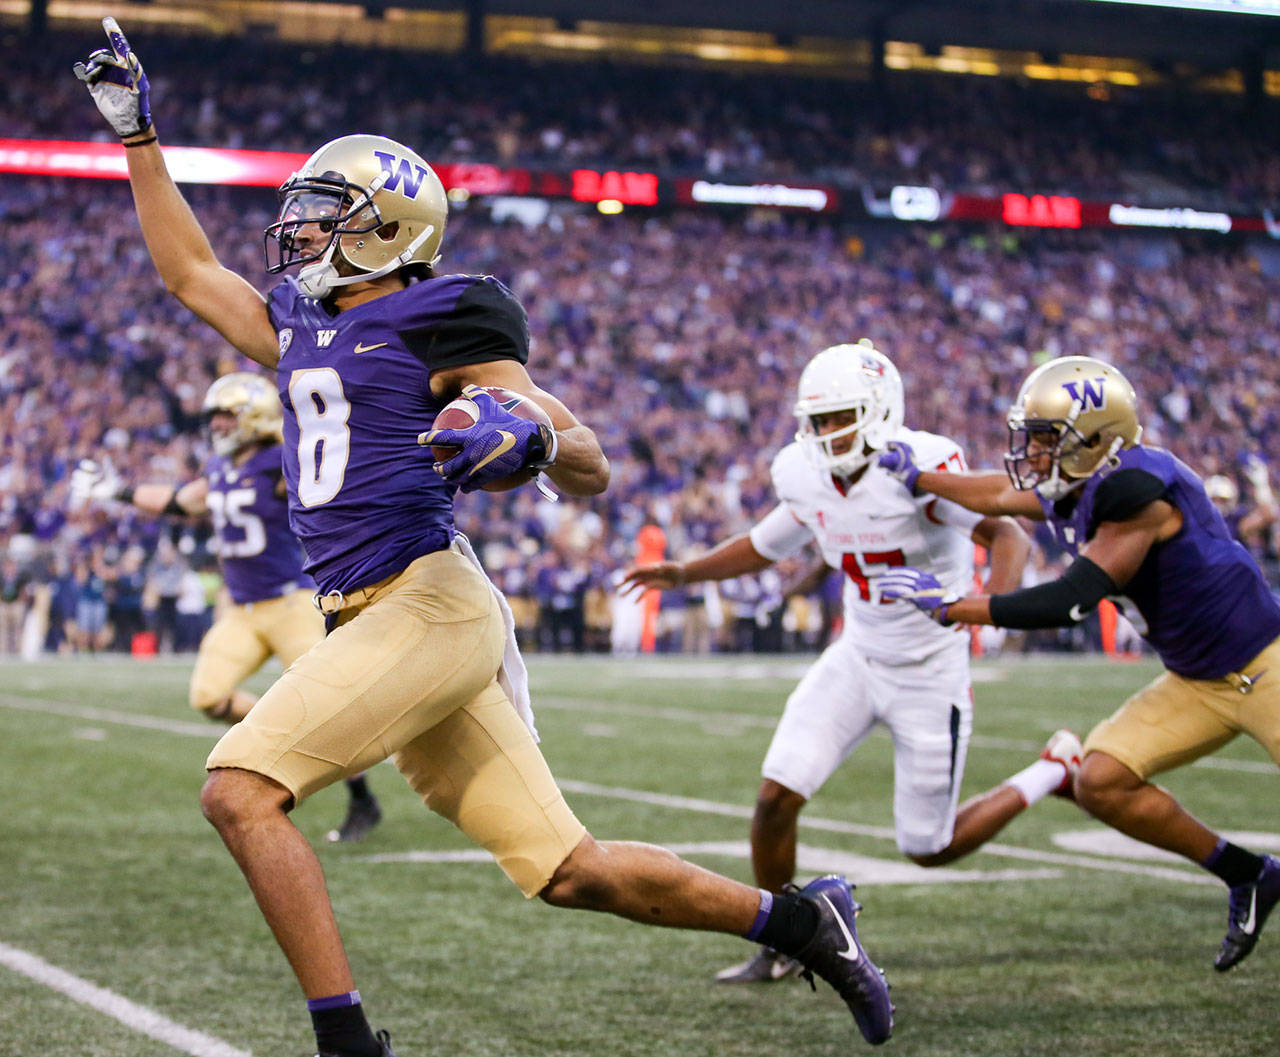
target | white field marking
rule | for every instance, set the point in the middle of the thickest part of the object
(863, 868)
(712, 807)
(208, 731)
(657, 799)
(733, 723)
(139, 1018)
(1108, 842)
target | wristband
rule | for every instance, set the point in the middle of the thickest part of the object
(140, 142)
(550, 447)
(125, 494)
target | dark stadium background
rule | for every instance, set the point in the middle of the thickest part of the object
(691, 198)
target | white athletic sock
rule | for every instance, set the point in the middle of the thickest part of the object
(1038, 780)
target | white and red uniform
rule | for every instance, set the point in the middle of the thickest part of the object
(891, 664)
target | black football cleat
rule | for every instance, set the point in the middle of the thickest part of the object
(383, 1038)
(362, 816)
(835, 954)
(1248, 907)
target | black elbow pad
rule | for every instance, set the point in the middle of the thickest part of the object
(1067, 600)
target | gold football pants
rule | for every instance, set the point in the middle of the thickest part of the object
(411, 673)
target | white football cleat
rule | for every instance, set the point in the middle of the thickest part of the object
(1064, 747)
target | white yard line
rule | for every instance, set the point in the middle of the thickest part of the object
(710, 807)
(139, 1018)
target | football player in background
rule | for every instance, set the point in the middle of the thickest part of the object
(1249, 522)
(889, 665)
(1140, 525)
(242, 491)
(419, 663)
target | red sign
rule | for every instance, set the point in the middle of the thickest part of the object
(1040, 211)
(629, 188)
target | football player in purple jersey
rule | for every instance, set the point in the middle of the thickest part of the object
(242, 491)
(1141, 528)
(419, 664)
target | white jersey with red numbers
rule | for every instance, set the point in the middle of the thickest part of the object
(869, 529)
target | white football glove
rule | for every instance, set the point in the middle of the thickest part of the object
(93, 482)
(115, 79)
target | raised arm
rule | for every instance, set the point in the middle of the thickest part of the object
(177, 244)
(1008, 547)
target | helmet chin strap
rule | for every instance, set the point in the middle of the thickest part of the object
(320, 278)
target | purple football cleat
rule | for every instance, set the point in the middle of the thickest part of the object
(1247, 911)
(835, 954)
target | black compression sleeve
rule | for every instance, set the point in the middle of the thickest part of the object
(1067, 600)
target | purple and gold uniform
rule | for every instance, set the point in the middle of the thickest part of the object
(411, 667)
(364, 498)
(1202, 604)
(271, 611)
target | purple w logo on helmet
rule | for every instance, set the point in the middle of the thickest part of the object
(1089, 392)
(401, 171)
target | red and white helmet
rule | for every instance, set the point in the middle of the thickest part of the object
(849, 378)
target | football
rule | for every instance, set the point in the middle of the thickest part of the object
(461, 413)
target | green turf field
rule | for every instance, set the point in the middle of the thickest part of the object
(1058, 943)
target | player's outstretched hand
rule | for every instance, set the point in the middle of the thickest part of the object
(1255, 471)
(661, 576)
(115, 79)
(921, 589)
(898, 460)
(92, 482)
(496, 446)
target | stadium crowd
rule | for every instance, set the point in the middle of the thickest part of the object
(979, 134)
(677, 337)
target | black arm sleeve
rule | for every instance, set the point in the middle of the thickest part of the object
(1122, 494)
(1067, 600)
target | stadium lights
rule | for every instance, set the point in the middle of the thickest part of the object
(613, 190)
(1233, 7)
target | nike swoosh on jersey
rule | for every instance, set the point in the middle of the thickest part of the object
(851, 952)
(508, 442)
(1075, 614)
(368, 348)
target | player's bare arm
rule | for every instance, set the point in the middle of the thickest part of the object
(1120, 547)
(1008, 547)
(189, 499)
(983, 493)
(736, 556)
(178, 246)
(580, 467)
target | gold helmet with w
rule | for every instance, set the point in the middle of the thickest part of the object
(381, 206)
(1079, 412)
(253, 400)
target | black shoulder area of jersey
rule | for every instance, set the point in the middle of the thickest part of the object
(1122, 494)
(486, 323)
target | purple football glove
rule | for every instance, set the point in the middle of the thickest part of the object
(919, 588)
(499, 444)
(119, 87)
(898, 460)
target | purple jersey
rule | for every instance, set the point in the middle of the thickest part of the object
(364, 497)
(1207, 609)
(260, 554)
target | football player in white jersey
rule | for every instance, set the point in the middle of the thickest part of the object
(890, 664)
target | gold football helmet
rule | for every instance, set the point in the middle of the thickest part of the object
(381, 206)
(256, 406)
(1222, 492)
(857, 378)
(1076, 411)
